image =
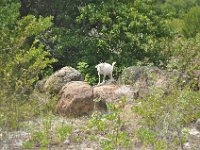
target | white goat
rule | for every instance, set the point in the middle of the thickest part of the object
(105, 69)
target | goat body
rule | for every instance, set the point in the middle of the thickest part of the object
(105, 69)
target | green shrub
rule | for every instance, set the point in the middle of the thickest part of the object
(85, 70)
(110, 125)
(192, 22)
(23, 59)
(165, 117)
(64, 131)
(43, 138)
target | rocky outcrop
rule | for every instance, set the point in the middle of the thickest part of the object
(143, 79)
(76, 98)
(57, 80)
(79, 98)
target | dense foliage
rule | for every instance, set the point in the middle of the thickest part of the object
(23, 58)
(41, 36)
(124, 31)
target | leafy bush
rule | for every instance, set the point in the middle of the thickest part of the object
(110, 125)
(23, 59)
(178, 8)
(181, 53)
(85, 70)
(192, 22)
(124, 32)
(185, 56)
(42, 138)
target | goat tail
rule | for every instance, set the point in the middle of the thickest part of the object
(113, 64)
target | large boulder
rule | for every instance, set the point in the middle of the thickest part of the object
(57, 80)
(76, 99)
(105, 92)
(144, 78)
(113, 92)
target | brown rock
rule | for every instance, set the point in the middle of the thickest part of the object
(105, 92)
(113, 92)
(75, 99)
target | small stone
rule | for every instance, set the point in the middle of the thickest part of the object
(19, 143)
(76, 131)
(197, 124)
(194, 137)
(67, 142)
(187, 146)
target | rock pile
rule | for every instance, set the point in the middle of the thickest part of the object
(78, 98)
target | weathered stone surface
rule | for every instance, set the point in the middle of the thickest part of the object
(126, 91)
(76, 99)
(57, 80)
(105, 92)
(197, 124)
(194, 138)
(40, 85)
(144, 78)
(113, 92)
(193, 142)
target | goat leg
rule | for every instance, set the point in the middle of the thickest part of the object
(99, 78)
(111, 77)
(104, 77)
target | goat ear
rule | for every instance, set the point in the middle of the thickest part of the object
(114, 63)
